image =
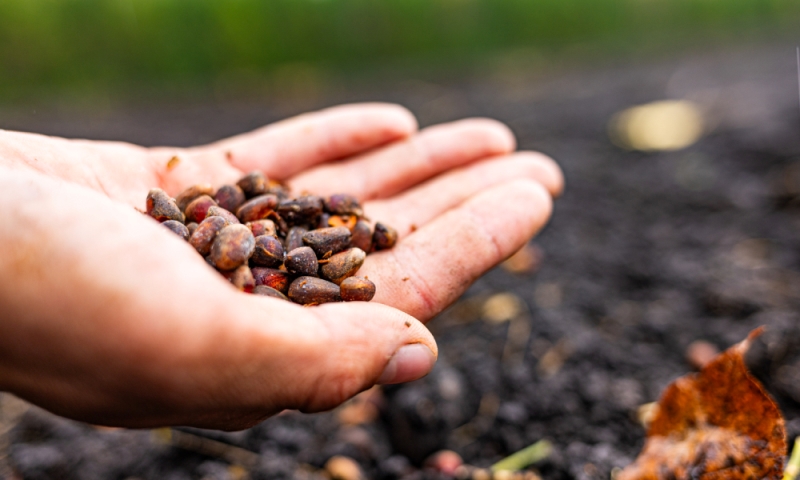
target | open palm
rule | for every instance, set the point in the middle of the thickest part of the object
(108, 317)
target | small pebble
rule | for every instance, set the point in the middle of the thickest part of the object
(343, 468)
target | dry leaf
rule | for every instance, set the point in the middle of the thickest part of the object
(716, 424)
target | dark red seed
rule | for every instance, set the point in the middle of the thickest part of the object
(177, 228)
(384, 237)
(253, 184)
(266, 291)
(185, 197)
(327, 241)
(357, 289)
(233, 247)
(262, 227)
(162, 207)
(302, 261)
(294, 239)
(342, 265)
(361, 236)
(241, 278)
(206, 232)
(313, 291)
(305, 209)
(257, 208)
(197, 210)
(272, 277)
(216, 211)
(343, 204)
(268, 252)
(230, 197)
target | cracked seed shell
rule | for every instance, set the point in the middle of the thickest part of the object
(342, 265)
(162, 207)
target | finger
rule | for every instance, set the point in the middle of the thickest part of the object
(291, 146)
(430, 268)
(416, 207)
(397, 167)
(320, 358)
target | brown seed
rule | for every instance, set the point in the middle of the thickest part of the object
(233, 247)
(294, 239)
(161, 207)
(241, 278)
(267, 291)
(313, 291)
(185, 197)
(357, 289)
(272, 277)
(253, 184)
(323, 221)
(384, 236)
(305, 209)
(215, 211)
(257, 208)
(348, 221)
(327, 241)
(343, 204)
(178, 228)
(342, 265)
(278, 188)
(192, 227)
(280, 225)
(230, 197)
(205, 234)
(361, 236)
(197, 210)
(262, 227)
(268, 252)
(302, 261)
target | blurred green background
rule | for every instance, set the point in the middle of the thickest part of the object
(136, 47)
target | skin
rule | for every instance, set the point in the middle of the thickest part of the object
(108, 317)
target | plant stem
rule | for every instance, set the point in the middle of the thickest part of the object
(793, 468)
(525, 457)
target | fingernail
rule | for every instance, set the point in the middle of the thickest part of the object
(409, 362)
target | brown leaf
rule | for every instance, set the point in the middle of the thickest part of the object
(713, 425)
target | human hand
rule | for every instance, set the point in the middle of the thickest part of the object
(108, 317)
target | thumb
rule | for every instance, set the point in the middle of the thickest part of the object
(313, 359)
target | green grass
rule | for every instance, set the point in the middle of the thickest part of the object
(86, 45)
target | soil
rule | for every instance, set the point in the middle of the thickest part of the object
(646, 253)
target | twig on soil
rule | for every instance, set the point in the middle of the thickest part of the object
(525, 457)
(206, 446)
(793, 467)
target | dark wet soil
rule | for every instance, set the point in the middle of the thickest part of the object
(646, 253)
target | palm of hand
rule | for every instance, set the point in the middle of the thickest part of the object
(138, 331)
